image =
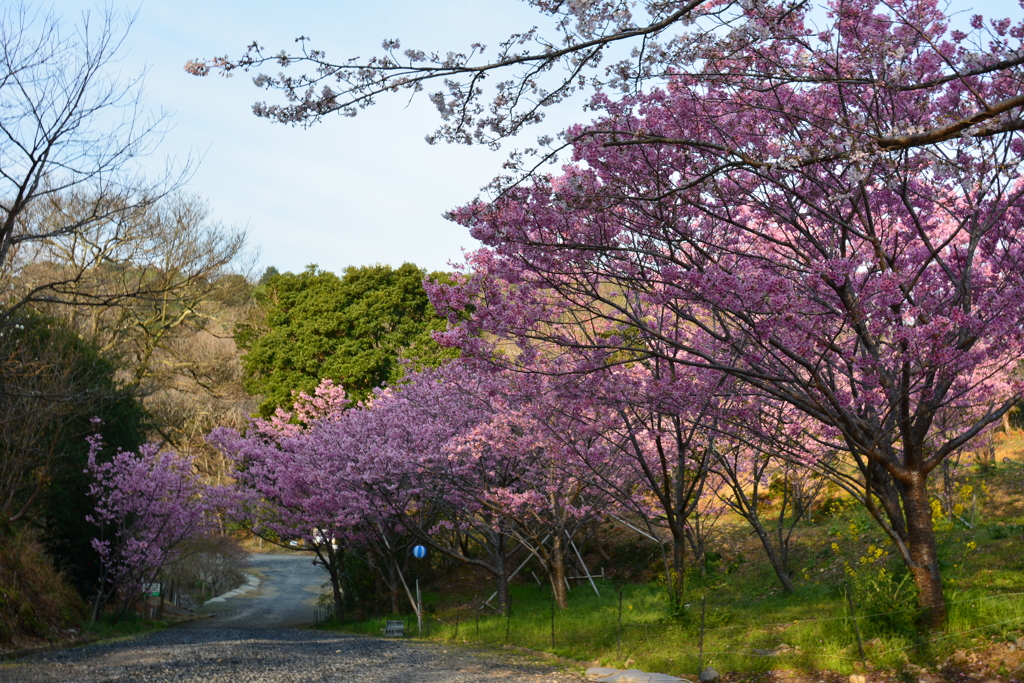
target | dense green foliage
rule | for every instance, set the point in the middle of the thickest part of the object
(355, 329)
(52, 384)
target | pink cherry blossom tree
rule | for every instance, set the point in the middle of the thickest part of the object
(485, 96)
(545, 500)
(289, 485)
(758, 443)
(825, 217)
(149, 504)
(383, 439)
(634, 432)
(456, 454)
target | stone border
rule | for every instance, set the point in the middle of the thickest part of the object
(603, 674)
(252, 582)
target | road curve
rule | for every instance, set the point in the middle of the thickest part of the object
(288, 591)
(258, 636)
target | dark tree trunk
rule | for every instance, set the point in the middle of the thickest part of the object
(333, 560)
(501, 581)
(906, 507)
(697, 548)
(393, 585)
(923, 550)
(557, 572)
(678, 579)
(748, 506)
(776, 556)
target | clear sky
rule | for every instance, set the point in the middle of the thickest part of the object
(347, 191)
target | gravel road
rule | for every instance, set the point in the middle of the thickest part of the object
(261, 637)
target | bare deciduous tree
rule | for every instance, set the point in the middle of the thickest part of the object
(70, 134)
(153, 288)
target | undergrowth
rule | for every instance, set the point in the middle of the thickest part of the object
(35, 600)
(131, 624)
(750, 625)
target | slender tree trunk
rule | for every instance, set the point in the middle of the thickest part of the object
(396, 592)
(923, 549)
(775, 555)
(95, 612)
(747, 507)
(697, 548)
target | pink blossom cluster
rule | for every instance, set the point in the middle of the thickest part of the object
(149, 505)
(822, 220)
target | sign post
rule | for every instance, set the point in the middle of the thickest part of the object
(419, 552)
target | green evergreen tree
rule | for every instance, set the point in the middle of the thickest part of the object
(52, 384)
(355, 329)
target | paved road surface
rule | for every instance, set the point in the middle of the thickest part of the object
(289, 588)
(253, 638)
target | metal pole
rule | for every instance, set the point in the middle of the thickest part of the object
(584, 565)
(618, 651)
(419, 609)
(457, 610)
(856, 626)
(700, 655)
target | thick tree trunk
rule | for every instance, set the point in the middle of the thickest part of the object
(678, 579)
(557, 573)
(335, 564)
(339, 602)
(501, 578)
(923, 550)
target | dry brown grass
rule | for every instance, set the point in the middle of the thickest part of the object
(35, 601)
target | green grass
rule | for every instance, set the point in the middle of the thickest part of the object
(128, 626)
(983, 569)
(814, 622)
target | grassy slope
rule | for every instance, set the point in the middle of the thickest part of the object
(746, 614)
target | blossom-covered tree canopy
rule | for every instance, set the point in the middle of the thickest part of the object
(791, 240)
(789, 216)
(149, 504)
(625, 48)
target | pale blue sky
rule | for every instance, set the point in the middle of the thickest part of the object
(347, 191)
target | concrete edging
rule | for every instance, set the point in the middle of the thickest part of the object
(252, 582)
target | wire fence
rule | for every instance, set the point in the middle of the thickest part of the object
(691, 643)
